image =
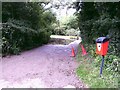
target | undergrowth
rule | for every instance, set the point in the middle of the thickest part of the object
(89, 69)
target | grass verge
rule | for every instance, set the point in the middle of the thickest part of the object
(89, 73)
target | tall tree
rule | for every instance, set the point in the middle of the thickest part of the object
(25, 25)
(100, 19)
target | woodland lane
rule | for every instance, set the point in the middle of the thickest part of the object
(49, 66)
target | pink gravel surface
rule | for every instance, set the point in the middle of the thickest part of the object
(48, 66)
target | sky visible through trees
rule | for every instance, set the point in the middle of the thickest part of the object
(63, 10)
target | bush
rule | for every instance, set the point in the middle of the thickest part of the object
(111, 60)
(72, 32)
(89, 71)
(104, 21)
(17, 37)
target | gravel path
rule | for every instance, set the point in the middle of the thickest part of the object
(49, 66)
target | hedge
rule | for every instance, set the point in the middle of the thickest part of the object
(16, 38)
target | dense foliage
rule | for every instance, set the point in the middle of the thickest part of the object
(25, 25)
(97, 19)
(100, 19)
(67, 25)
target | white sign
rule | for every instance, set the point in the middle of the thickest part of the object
(99, 46)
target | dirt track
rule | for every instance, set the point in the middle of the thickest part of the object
(49, 66)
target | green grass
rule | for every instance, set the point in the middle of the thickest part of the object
(89, 73)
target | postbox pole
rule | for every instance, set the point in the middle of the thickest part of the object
(102, 65)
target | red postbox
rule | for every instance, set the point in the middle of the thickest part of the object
(102, 45)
